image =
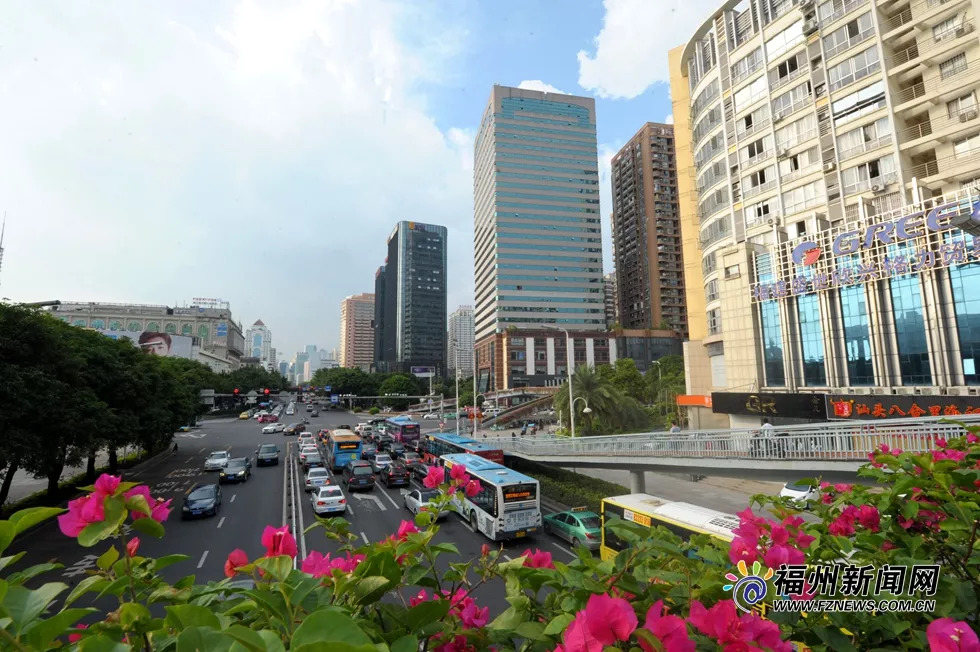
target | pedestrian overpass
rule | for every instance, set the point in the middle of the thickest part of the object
(833, 451)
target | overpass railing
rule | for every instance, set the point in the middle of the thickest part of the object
(851, 441)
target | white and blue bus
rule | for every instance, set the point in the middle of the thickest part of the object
(342, 446)
(508, 505)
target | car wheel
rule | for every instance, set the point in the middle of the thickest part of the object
(473, 520)
(575, 542)
(546, 528)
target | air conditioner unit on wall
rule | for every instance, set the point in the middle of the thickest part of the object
(809, 27)
(772, 221)
(830, 166)
(877, 188)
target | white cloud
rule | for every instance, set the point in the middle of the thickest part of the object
(631, 48)
(154, 153)
(538, 85)
(669, 119)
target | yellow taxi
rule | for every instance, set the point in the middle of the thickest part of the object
(243, 415)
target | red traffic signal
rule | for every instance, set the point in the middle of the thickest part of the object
(236, 391)
(267, 391)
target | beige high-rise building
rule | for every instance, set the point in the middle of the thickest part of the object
(806, 131)
(356, 331)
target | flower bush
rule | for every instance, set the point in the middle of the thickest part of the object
(658, 594)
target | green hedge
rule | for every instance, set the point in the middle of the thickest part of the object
(374, 410)
(567, 487)
(356, 409)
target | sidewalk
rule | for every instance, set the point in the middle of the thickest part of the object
(24, 484)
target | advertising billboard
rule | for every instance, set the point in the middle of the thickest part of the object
(178, 346)
(796, 406)
(423, 372)
(888, 406)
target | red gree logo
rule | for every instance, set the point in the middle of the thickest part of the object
(806, 253)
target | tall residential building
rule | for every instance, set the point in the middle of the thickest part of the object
(609, 297)
(646, 232)
(273, 361)
(460, 339)
(537, 243)
(284, 368)
(813, 130)
(299, 366)
(410, 308)
(356, 334)
(259, 339)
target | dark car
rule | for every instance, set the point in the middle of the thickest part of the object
(315, 413)
(311, 460)
(238, 469)
(203, 500)
(344, 426)
(395, 475)
(368, 451)
(267, 455)
(293, 429)
(397, 449)
(418, 470)
(383, 442)
(358, 474)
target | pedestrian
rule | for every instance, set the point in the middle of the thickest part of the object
(524, 429)
(175, 448)
(768, 437)
(674, 428)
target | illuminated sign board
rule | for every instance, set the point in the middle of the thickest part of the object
(873, 407)
(348, 447)
(797, 406)
(806, 255)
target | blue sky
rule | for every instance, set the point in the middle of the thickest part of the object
(262, 151)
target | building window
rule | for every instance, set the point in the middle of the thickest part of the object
(850, 34)
(855, 68)
(711, 290)
(804, 197)
(202, 332)
(948, 28)
(171, 328)
(966, 146)
(133, 326)
(115, 325)
(862, 102)
(797, 132)
(709, 264)
(811, 341)
(910, 327)
(952, 66)
(965, 281)
(864, 139)
(772, 332)
(98, 323)
(791, 101)
(961, 105)
(714, 321)
(785, 40)
(857, 343)
(862, 177)
(731, 271)
(153, 327)
(750, 94)
(746, 65)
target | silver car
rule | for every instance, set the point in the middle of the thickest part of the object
(216, 460)
(381, 460)
(317, 477)
(419, 500)
(328, 499)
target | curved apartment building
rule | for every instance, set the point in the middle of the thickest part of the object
(831, 151)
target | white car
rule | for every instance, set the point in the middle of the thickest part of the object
(431, 415)
(306, 439)
(272, 428)
(317, 477)
(381, 461)
(328, 499)
(306, 450)
(801, 494)
(418, 500)
(261, 413)
(216, 461)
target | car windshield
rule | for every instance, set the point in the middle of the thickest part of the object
(429, 496)
(267, 448)
(313, 456)
(590, 522)
(797, 487)
(330, 491)
(236, 464)
(219, 455)
(384, 458)
(362, 470)
(318, 473)
(201, 493)
(411, 456)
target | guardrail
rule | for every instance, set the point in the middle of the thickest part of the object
(832, 441)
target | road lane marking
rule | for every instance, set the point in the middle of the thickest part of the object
(563, 548)
(364, 536)
(203, 557)
(390, 499)
(350, 509)
(232, 498)
(188, 490)
(507, 557)
(221, 522)
(202, 449)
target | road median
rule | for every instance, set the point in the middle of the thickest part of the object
(568, 488)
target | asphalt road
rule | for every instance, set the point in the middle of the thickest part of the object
(265, 499)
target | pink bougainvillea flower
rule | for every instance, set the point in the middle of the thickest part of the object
(132, 546)
(793, 522)
(236, 559)
(715, 622)
(578, 638)
(75, 638)
(971, 438)
(278, 541)
(457, 644)
(161, 510)
(472, 616)
(418, 598)
(316, 564)
(435, 477)
(841, 527)
(742, 550)
(406, 528)
(81, 513)
(945, 635)
(538, 559)
(776, 556)
(941, 442)
(107, 484)
(347, 564)
(485, 550)
(140, 490)
(473, 487)
(671, 630)
(779, 535)
(842, 488)
(803, 540)
(458, 472)
(888, 545)
(869, 518)
(610, 619)
(764, 633)
(722, 623)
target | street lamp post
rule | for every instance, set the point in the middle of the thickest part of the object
(571, 396)
(587, 409)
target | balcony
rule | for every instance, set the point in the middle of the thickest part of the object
(759, 220)
(755, 128)
(945, 168)
(857, 75)
(799, 174)
(796, 74)
(796, 139)
(806, 204)
(761, 188)
(940, 40)
(758, 158)
(916, 13)
(935, 83)
(867, 184)
(785, 112)
(863, 148)
(849, 43)
(846, 8)
(930, 127)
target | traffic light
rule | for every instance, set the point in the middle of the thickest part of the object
(266, 391)
(236, 391)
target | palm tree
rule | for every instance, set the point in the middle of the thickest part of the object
(610, 410)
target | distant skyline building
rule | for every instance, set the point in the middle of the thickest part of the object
(356, 332)
(609, 296)
(537, 231)
(299, 366)
(410, 308)
(259, 339)
(284, 368)
(647, 258)
(461, 340)
(273, 364)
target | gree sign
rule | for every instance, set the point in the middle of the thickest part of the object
(905, 228)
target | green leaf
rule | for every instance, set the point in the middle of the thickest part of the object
(24, 605)
(382, 564)
(953, 525)
(7, 532)
(279, 567)
(90, 583)
(12, 559)
(137, 503)
(328, 626)
(42, 633)
(101, 643)
(444, 547)
(369, 589)
(150, 527)
(334, 647)
(426, 612)
(28, 573)
(910, 509)
(28, 518)
(203, 639)
(246, 637)
(133, 612)
(509, 620)
(272, 641)
(115, 514)
(531, 630)
(835, 639)
(168, 560)
(191, 615)
(407, 643)
(108, 558)
(558, 624)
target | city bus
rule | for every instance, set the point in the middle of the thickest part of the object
(436, 444)
(508, 505)
(403, 429)
(342, 446)
(683, 519)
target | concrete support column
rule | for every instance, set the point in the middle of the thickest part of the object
(638, 483)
